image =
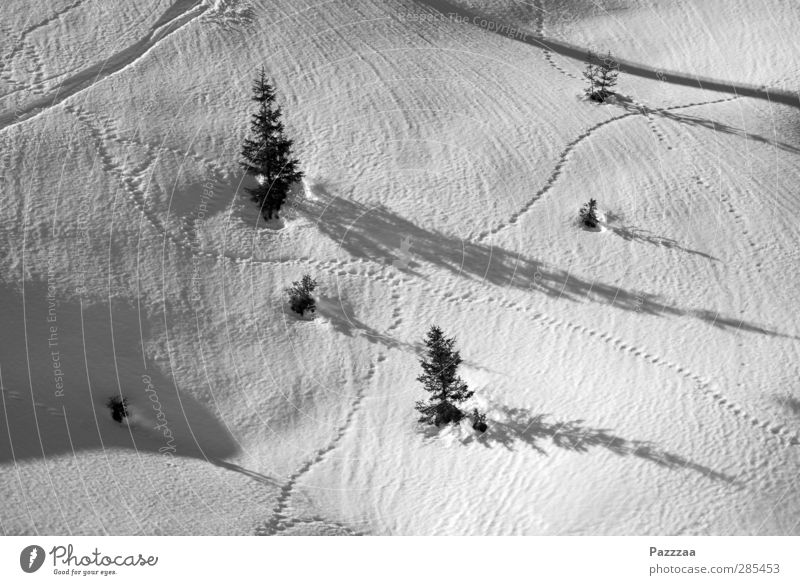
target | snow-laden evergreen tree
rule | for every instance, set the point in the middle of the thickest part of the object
(601, 74)
(588, 214)
(267, 152)
(300, 299)
(440, 379)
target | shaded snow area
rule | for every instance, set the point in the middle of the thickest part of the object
(640, 377)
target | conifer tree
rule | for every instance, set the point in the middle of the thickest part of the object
(479, 421)
(592, 75)
(588, 214)
(267, 152)
(601, 75)
(119, 407)
(441, 381)
(609, 71)
(300, 299)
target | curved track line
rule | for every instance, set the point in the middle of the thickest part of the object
(94, 74)
(774, 430)
(280, 520)
(132, 183)
(564, 156)
(20, 41)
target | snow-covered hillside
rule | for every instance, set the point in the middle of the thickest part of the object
(641, 379)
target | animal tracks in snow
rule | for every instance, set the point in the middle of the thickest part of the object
(281, 518)
(566, 154)
(704, 385)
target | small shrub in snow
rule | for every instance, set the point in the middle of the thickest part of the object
(601, 75)
(119, 407)
(300, 299)
(588, 214)
(440, 379)
(479, 421)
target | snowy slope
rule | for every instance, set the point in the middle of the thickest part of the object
(638, 380)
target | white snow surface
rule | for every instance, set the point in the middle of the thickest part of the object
(639, 379)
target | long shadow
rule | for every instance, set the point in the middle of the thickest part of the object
(510, 30)
(629, 105)
(259, 477)
(642, 236)
(61, 360)
(340, 314)
(377, 233)
(516, 426)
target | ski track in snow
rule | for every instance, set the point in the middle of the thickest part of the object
(94, 74)
(20, 43)
(565, 155)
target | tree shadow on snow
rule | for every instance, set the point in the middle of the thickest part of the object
(55, 384)
(515, 426)
(340, 314)
(628, 105)
(376, 233)
(642, 236)
(259, 477)
(511, 31)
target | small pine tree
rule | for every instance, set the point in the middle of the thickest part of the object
(267, 153)
(601, 75)
(441, 381)
(609, 72)
(119, 407)
(300, 299)
(588, 214)
(479, 421)
(592, 76)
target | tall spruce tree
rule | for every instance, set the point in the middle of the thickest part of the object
(267, 153)
(441, 381)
